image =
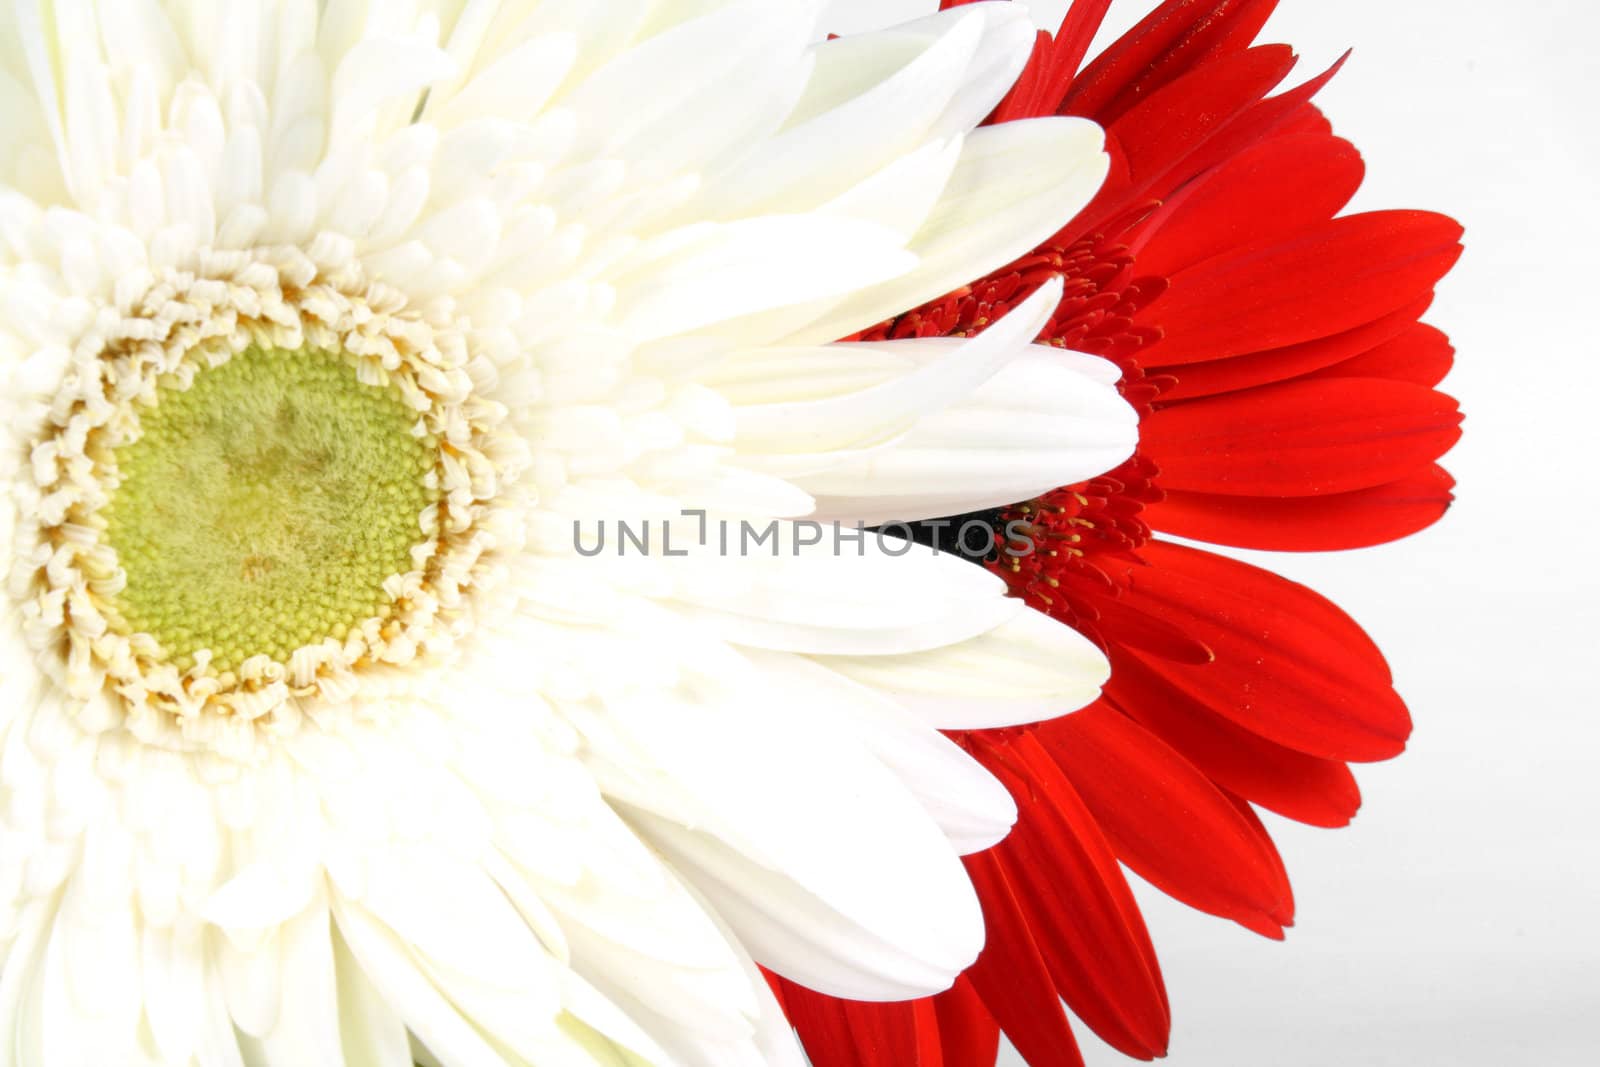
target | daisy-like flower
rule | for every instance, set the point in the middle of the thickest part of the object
(324, 327)
(1285, 387)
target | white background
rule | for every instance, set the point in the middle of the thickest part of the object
(1455, 923)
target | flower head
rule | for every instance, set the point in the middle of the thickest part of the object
(325, 328)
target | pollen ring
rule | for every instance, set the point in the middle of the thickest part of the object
(258, 479)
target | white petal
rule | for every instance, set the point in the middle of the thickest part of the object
(879, 595)
(717, 272)
(308, 1021)
(801, 937)
(1015, 185)
(1037, 424)
(386, 963)
(789, 857)
(1029, 668)
(370, 1032)
(967, 802)
(873, 415)
(820, 159)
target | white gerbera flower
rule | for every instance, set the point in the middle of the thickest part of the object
(320, 325)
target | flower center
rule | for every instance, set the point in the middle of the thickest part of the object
(262, 508)
(260, 485)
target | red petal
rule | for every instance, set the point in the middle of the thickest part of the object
(1422, 355)
(1011, 975)
(1159, 134)
(1027, 96)
(1066, 879)
(1290, 111)
(1290, 665)
(1167, 820)
(1280, 364)
(1297, 786)
(1265, 193)
(968, 1032)
(1270, 850)
(1072, 42)
(1301, 438)
(1306, 119)
(1171, 41)
(1310, 523)
(1050, 69)
(1151, 633)
(822, 1026)
(1326, 279)
(847, 1033)
(893, 1034)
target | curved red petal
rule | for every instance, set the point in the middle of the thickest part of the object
(1158, 135)
(1252, 369)
(1026, 97)
(968, 1033)
(1078, 27)
(1168, 43)
(1011, 975)
(1134, 628)
(1422, 354)
(1306, 119)
(1290, 666)
(821, 1023)
(1314, 791)
(1301, 438)
(1268, 848)
(849, 1033)
(1080, 912)
(1321, 281)
(1266, 193)
(1168, 821)
(1311, 523)
(1289, 111)
(897, 1033)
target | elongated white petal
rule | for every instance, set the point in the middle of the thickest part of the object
(1031, 667)
(968, 803)
(860, 135)
(799, 936)
(303, 1003)
(963, 425)
(876, 413)
(722, 272)
(370, 1030)
(847, 858)
(1035, 425)
(1014, 186)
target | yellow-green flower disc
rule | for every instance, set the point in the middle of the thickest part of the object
(262, 508)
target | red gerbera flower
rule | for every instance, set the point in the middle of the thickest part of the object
(1286, 390)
